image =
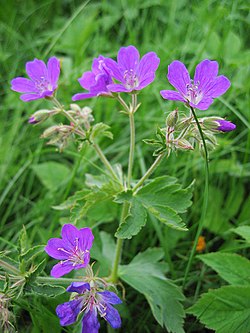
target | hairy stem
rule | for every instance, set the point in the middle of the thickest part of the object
(149, 172)
(80, 132)
(125, 208)
(205, 201)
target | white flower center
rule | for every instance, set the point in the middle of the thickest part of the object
(76, 255)
(43, 85)
(193, 95)
(131, 79)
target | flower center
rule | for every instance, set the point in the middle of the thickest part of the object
(131, 79)
(43, 85)
(75, 255)
(194, 95)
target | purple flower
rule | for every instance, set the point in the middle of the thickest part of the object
(43, 80)
(91, 302)
(130, 71)
(200, 92)
(225, 126)
(72, 250)
(96, 81)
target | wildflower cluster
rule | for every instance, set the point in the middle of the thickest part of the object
(73, 251)
(183, 131)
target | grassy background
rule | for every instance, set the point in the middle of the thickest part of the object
(76, 32)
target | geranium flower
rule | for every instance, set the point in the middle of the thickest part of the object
(200, 92)
(42, 82)
(72, 250)
(95, 81)
(133, 73)
(91, 302)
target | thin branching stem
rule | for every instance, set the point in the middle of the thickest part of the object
(205, 201)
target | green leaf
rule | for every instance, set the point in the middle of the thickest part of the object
(233, 268)
(224, 310)
(22, 241)
(103, 251)
(135, 220)
(45, 289)
(146, 274)
(165, 199)
(99, 130)
(30, 254)
(243, 231)
(51, 174)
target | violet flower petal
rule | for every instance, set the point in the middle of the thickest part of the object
(61, 269)
(78, 97)
(203, 104)
(172, 95)
(53, 71)
(115, 69)
(68, 312)
(85, 238)
(220, 86)
(118, 88)
(148, 63)
(53, 246)
(29, 97)
(146, 81)
(128, 58)
(112, 316)
(178, 76)
(90, 322)
(78, 287)
(23, 85)
(110, 297)
(205, 72)
(69, 234)
(87, 80)
(36, 70)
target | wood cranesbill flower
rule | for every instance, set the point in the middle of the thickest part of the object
(130, 71)
(95, 81)
(72, 250)
(42, 82)
(91, 302)
(199, 92)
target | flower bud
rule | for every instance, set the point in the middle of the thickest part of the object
(172, 118)
(225, 126)
(218, 124)
(75, 107)
(40, 116)
(183, 144)
(50, 131)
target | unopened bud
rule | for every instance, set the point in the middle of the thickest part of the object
(40, 116)
(218, 124)
(183, 144)
(75, 107)
(172, 118)
(50, 131)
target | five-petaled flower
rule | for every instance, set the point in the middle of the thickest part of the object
(95, 81)
(133, 73)
(72, 250)
(91, 302)
(200, 92)
(42, 82)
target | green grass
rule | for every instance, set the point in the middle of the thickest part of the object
(76, 32)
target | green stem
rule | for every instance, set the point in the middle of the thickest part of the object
(105, 161)
(205, 202)
(149, 172)
(119, 244)
(132, 147)
(125, 208)
(81, 133)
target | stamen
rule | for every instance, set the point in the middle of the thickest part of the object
(131, 79)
